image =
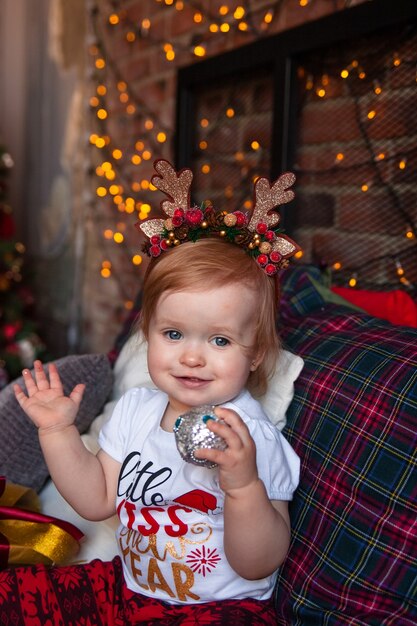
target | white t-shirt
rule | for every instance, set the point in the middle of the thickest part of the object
(170, 536)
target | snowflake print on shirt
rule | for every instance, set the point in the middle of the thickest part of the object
(203, 560)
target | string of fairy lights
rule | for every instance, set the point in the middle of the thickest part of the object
(119, 169)
(127, 134)
(384, 65)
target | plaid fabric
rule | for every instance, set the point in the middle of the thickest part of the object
(353, 558)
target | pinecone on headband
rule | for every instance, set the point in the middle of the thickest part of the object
(214, 220)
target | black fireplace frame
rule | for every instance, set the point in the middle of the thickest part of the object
(278, 54)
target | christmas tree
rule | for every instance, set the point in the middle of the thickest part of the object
(19, 343)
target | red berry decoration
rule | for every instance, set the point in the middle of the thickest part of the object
(177, 220)
(155, 239)
(155, 251)
(261, 228)
(270, 269)
(275, 256)
(240, 218)
(194, 217)
(270, 235)
(262, 259)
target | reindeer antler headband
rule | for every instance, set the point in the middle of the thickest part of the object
(258, 234)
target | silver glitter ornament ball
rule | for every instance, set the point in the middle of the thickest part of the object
(191, 433)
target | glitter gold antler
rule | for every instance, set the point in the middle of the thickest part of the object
(176, 187)
(268, 197)
(259, 236)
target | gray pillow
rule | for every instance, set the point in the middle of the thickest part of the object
(21, 458)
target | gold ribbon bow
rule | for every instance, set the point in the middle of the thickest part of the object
(27, 536)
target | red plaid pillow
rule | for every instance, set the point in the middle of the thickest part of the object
(353, 423)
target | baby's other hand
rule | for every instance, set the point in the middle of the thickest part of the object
(45, 402)
(237, 464)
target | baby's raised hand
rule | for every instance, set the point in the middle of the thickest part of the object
(237, 464)
(45, 402)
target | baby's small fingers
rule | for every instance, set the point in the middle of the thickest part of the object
(54, 378)
(229, 416)
(77, 393)
(42, 381)
(209, 454)
(19, 394)
(235, 424)
(223, 430)
(30, 383)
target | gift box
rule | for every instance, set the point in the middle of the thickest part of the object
(27, 536)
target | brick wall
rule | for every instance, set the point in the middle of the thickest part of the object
(326, 127)
(357, 196)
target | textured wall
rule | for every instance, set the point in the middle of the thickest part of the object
(150, 78)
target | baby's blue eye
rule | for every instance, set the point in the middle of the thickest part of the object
(173, 334)
(220, 341)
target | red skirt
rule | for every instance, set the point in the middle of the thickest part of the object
(95, 594)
